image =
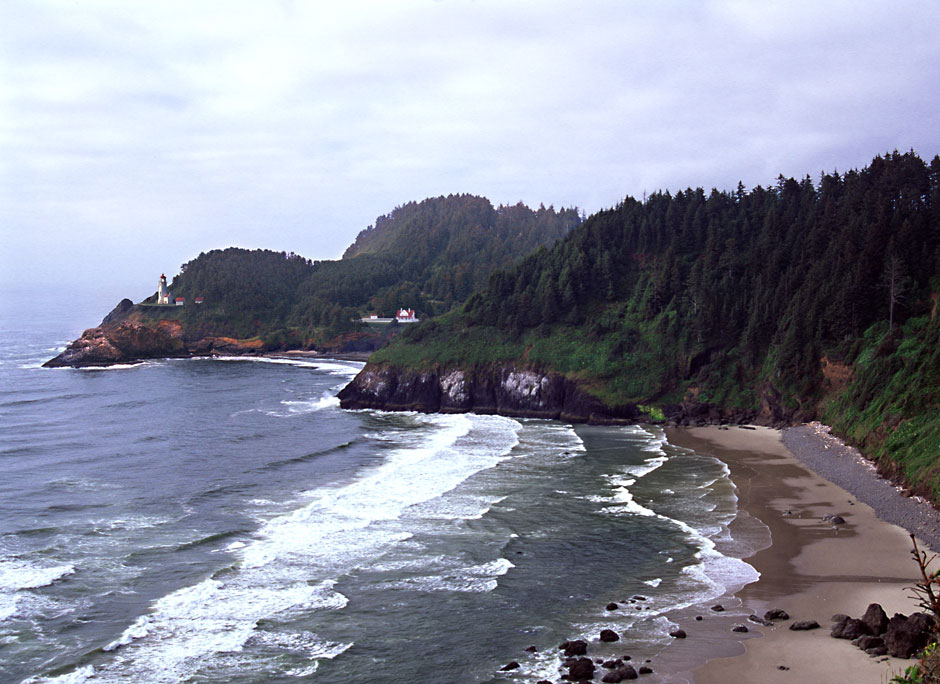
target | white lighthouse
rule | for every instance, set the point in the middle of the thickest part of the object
(163, 295)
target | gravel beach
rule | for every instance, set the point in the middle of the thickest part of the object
(815, 446)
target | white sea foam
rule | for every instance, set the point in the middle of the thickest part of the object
(287, 568)
(17, 577)
(348, 369)
(475, 578)
(116, 367)
(82, 674)
(300, 407)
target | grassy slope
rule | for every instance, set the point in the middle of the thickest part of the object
(891, 409)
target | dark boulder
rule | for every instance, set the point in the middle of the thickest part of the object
(612, 606)
(609, 636)
(876, 619)
(868, 641)
(576, 647)
(509, 666)
(678, 634)
(582, 669)
(756, 619)
(620, 674)
(850, 628)
(628, 672)
(776, 614)
(645, 669)
(906, 636)
(804, 625)
(739, 628)
(718, 608)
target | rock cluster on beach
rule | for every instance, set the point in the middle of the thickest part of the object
(901, 636)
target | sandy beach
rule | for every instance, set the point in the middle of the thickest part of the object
(811, 569)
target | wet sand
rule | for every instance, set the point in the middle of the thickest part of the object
(811, 569)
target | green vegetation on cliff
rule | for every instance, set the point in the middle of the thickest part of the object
(726, 297)
(428, 256)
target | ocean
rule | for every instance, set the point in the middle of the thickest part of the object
(223, 520)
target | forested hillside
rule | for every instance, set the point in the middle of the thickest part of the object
(818, 295)
(428, 256)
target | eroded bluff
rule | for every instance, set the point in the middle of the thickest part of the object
(508, 390)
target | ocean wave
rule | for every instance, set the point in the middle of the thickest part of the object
(344, 368)
(18, 577)
(304, 406)
(480, 578)
(288, 567)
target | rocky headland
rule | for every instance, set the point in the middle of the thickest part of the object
(127, 336)
(520, 390)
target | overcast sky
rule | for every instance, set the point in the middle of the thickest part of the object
(136, 134)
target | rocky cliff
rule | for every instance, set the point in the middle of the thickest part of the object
(121, 343)
(124, 337)
(500, 389)
(521, 391)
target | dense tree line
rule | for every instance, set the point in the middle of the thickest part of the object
(745, 284)
(428, 256)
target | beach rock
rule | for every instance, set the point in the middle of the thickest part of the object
(868, 641)
(609, 636)
(839, 617)
(576, 647)
(543, 681)
(532, 649)
(756, 619)
(740, 628)
(875, 651)
(804, 625)
(678, 634)
(776, 614)
(509, 666)
(645, 669)
(876, 619)
(699, 618)
(906, 636)
(718, 608)
(638, 597)
(837, 520)
(582, 669)
(612, 606)
(611, 664)
(620, 674)
(850, 628)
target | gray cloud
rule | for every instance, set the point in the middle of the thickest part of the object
(134, 135)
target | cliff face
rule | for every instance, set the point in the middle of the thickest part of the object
(501, 389)
(522, 391)
(124, 336)
(121, 343)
